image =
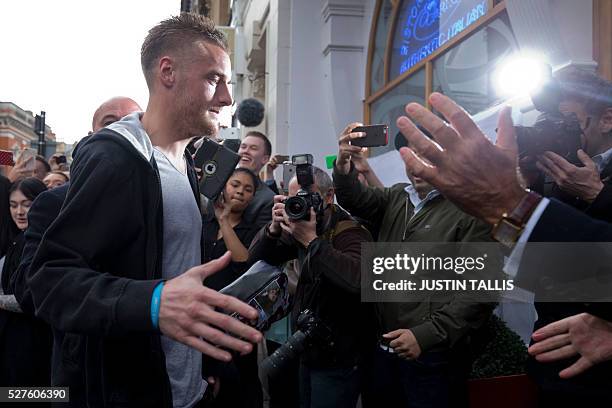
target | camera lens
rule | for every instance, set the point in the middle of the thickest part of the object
(296, 207)
(274, 364)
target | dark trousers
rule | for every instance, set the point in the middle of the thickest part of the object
(549, 399)
(239, 384)
(329, 387)
(433, 380)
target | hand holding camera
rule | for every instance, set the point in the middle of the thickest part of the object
(273, 163)
(303, 231)
(583, 182)
(278, 215)
(297, 215)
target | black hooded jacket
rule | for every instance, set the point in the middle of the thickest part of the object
(94, 273)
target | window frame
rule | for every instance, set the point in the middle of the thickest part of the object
(494, 9)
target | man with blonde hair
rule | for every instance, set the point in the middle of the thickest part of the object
(119, 270)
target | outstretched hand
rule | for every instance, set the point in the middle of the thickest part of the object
(581, 335)
(478, 176)
(188, 314)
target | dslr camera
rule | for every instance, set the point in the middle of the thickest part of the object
(298, 207)
(553, 131)
(311, 332)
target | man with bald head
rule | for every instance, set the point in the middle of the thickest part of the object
(47, 205)
(112, 110)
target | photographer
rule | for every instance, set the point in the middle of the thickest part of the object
(587, 99)
(327, 245)
(584, 184)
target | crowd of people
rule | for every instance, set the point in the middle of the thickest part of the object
(112, 268)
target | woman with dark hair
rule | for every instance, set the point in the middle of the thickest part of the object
(25, 341)
(8, 229)
(227, 231)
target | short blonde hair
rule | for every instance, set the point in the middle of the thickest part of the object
(176, 33)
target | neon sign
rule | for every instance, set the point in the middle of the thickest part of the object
(425, 25)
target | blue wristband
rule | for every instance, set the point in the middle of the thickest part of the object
(155, 302)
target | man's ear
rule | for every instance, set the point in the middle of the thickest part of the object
(329, 196)
(167, 71)
(265, 159)
(605, 123)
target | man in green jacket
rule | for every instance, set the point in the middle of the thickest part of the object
(422, 359)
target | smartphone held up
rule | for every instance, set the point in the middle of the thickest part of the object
(375, 135)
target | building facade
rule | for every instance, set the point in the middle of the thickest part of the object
(17, 129)
(318, 65)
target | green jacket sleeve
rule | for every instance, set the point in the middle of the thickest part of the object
(368, 203)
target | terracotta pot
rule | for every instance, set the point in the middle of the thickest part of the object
(512, 391)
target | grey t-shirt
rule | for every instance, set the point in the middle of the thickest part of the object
(181, 251)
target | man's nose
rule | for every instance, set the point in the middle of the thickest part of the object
(224, 95)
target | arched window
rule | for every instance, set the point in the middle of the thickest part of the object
(421, 46)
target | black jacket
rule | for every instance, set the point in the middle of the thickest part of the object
(215, 248)
(44, 210)
(25, 341)
(94, 273)
(562, 223)
(7, 228)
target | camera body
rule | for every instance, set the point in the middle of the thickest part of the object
(553, 131)
(310, 331)
(298, 207)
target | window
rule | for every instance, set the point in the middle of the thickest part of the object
(464, 72)
(380, 43)
(424, 26)
(450, 46)
(387, 109)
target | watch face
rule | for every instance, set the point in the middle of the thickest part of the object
(506, 232)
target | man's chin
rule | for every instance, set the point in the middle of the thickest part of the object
(248, 165)
(209, 127)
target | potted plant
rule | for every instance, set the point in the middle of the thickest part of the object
(498, 373)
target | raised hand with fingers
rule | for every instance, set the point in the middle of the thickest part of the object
(478, 176)
(188, 314)
(585, 335)
(23, 168)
